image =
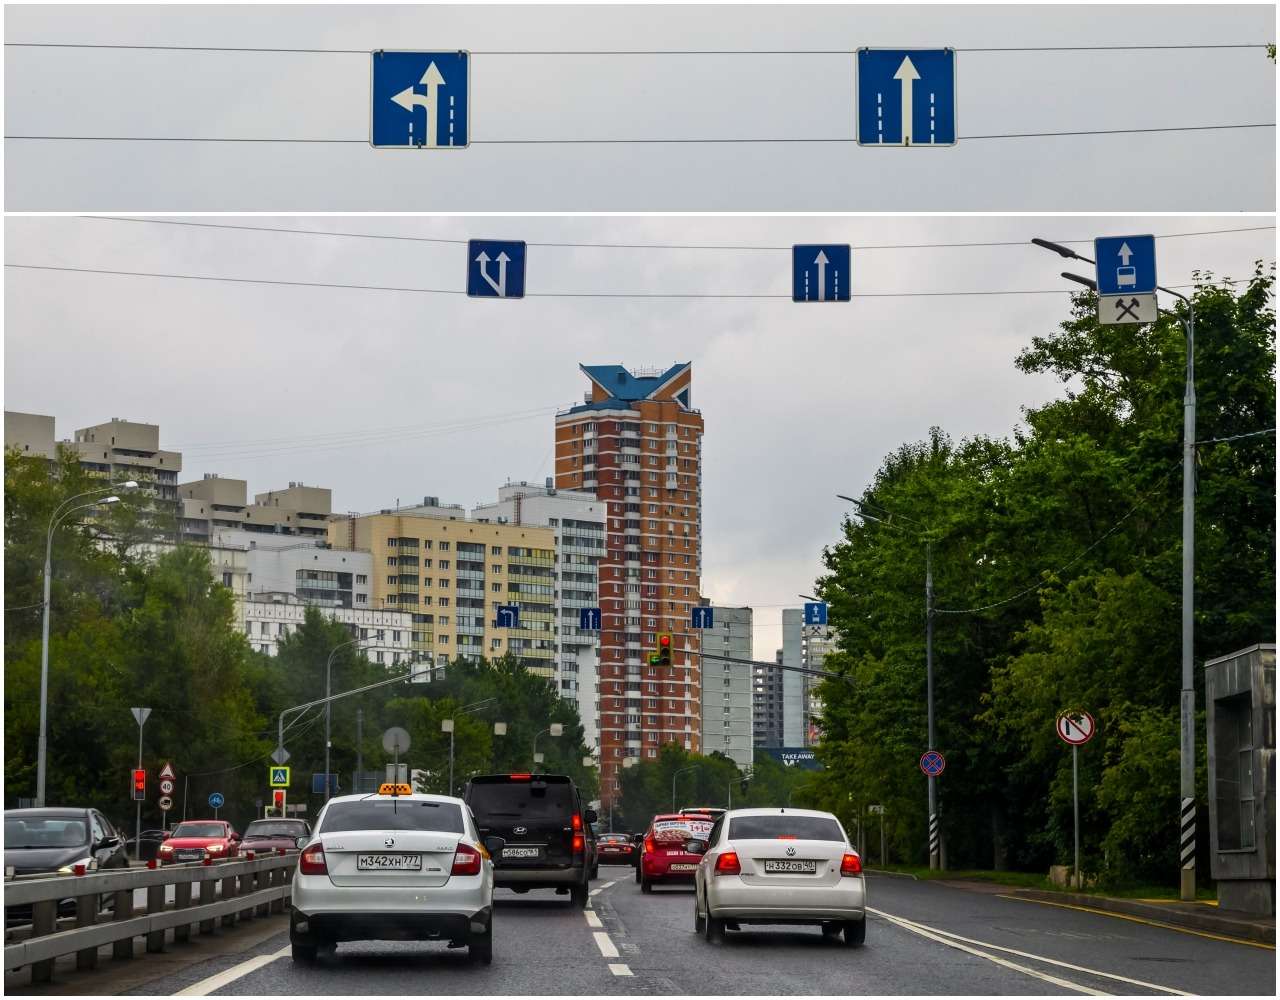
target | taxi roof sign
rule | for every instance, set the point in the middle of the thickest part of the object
(392, 788)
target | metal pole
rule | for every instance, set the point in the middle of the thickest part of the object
(1188, 754)
(359, 747)
(1075, 804)
(882, 857)
(42, 747)
(186, 786)
(328, 706)
(451, 760)
(935, 829)
(137, 826)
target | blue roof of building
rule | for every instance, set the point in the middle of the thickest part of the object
(603, 404)
(621, 384)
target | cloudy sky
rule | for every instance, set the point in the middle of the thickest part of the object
(769, 93)
(393, 395)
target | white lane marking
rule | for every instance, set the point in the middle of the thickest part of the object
(1043, 976)
(619, 969)
(1052, 961)
(606, 946)
(207, 986)
(593, 919)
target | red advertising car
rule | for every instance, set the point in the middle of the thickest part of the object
(664, 857)
(197, 839)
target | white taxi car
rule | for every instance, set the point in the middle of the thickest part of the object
(779, 866)
(394, 865)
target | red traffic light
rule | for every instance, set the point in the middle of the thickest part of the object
(664, 640)
(139, 784)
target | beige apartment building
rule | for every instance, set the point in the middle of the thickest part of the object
(451, 574)
(213, 505)
(123, 450)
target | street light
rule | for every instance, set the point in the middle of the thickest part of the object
(60, 513)
(1187, 753)
(691, 767)
(446, 726)
(555, 729)
(328, 705)
(936, 851)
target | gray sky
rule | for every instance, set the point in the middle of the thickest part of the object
(355, 390)
(165, 93)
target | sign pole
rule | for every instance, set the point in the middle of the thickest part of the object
(1187, 841)
(1075, 802)
(935, 831)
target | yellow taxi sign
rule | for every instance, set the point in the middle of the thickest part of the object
(391, 788)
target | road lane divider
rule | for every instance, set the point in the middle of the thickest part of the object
(929, 933)
(1047, 961)
(229, 976)
(606, 946)
(593, 918)
(620, 969)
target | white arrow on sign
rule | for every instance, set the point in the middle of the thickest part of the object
(907, 75)
(1125, 253)
(821, 261)
(499, 286)
(407, 99)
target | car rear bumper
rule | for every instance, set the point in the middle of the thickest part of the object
(382, 925)
(730, 898)
(660, 871)
(540, 878)
(316, 896)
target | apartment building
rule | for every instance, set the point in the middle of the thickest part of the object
(30, 433)
(451, 574)
(636, 442)
(727, 688)
(577, 522)
(384, 636)
(804, 646)
(818, 641)
(214, 505)
(124, 450)
(766, 703)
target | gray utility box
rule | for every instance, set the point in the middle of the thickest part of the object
(1240, 694)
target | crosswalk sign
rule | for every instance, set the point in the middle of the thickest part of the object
(279, 777)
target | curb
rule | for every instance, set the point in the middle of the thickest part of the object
(1215, 923)
(881, 871)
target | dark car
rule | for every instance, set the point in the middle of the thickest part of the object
(547, 829)
(274, 834)
(617, 849)
(150, 841)
(53, 841)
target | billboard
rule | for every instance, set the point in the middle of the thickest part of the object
(801, 757)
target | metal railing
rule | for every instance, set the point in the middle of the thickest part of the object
(229, 890)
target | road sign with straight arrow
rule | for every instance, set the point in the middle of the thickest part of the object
(906, 97)
(820, 272)
(1126, 276)
(495, 269)
(420, 100)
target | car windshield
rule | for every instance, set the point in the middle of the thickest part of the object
(552, 800)
(392, 814)
(44, 831)
(786, 826)
(276, 828)
(199, 830)
(615, 838)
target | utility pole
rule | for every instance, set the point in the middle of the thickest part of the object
(141, 715)
(359, 748)
(936, 854)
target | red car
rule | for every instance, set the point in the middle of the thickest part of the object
(198, 839)
(616, 849)
(273, 834)
(665, 857)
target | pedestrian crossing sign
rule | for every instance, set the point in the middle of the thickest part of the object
(279, 777)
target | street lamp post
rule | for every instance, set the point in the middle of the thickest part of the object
(328, 705)
(1187, 753)
(446, 726)
(555, 729)
(691, 767)
(60, 513)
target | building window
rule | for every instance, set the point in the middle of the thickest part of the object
(444, 563)
(497, 568)
(497, 549)
(379, 656)
(497, 588)
(395, 637)
(444, 546)
(361, 578)
(443, 640)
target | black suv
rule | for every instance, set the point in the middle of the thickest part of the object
(547, 829)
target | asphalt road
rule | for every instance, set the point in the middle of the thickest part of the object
(922, 938)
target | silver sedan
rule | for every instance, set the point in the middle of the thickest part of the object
(779, 866)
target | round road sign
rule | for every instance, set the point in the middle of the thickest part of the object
(395, 740)
(166, 787)
(216, 800)
(165, 803)
(1076, 728)
(932, 763)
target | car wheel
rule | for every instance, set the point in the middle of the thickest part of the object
(580, 896)
(595, 871)
(638, 873)
(832, 930)
(646, 885)
(480, 947)
(699, 921)
(304, 953)
(855, 933)
(713, 928)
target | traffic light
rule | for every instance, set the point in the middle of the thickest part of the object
(277, 801)
(139, 785)
(664, 649)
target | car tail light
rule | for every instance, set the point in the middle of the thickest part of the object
(727, 864)
(577, 822)
(649, 847)
(851, 864)
(578, 843)
(466, 861)
(520, 777)
(312, 861)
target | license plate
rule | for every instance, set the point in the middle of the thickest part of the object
(791, 867)
(388, 862)
(520, 852)
(682, 868)
(190, 855)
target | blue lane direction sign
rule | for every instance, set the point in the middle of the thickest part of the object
(508, 616)
(216, 800)
(703, 617)
(1126, 264)
(589, 619)
(906, 97)
(815, 613)
(820, 272)
(932, 763)
(420, 100)
(495, 269)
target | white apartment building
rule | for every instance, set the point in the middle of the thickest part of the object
(727, 702)
(802, 646)
(386, 637)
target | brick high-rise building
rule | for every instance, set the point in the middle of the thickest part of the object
(636, 442)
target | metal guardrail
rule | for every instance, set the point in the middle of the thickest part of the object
(229, 890)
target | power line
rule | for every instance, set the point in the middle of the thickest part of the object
(1237, 437)
(626, 246)
(740, 140)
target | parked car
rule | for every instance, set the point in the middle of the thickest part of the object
(54, 840)
(274, 834)
(197, 839)
(395, 865)
(617, 848)
(779, 866)
(546, 829)
(666, 857)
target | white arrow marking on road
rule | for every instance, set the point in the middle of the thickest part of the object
(407, 99)
(821, 261)
(499, 286)
(907, 75)
(1125, 254)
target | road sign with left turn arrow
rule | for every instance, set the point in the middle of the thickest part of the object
(495, 269)
(420, 100)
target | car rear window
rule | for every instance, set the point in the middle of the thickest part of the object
(392, 814)
(276, 828)
(785, 825)
(200, 830)
(524, 800)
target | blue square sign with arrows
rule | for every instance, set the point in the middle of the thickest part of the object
(495, 269)
(906, 97)
(1126, 264)
(420, 100)
(820, 272)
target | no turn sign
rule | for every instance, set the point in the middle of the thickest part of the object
(1076, 728)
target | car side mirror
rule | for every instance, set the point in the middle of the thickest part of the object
(591, 816)
(494, 845)
(235, 836)
(166, 834)
(696, 846)
(302, 842)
